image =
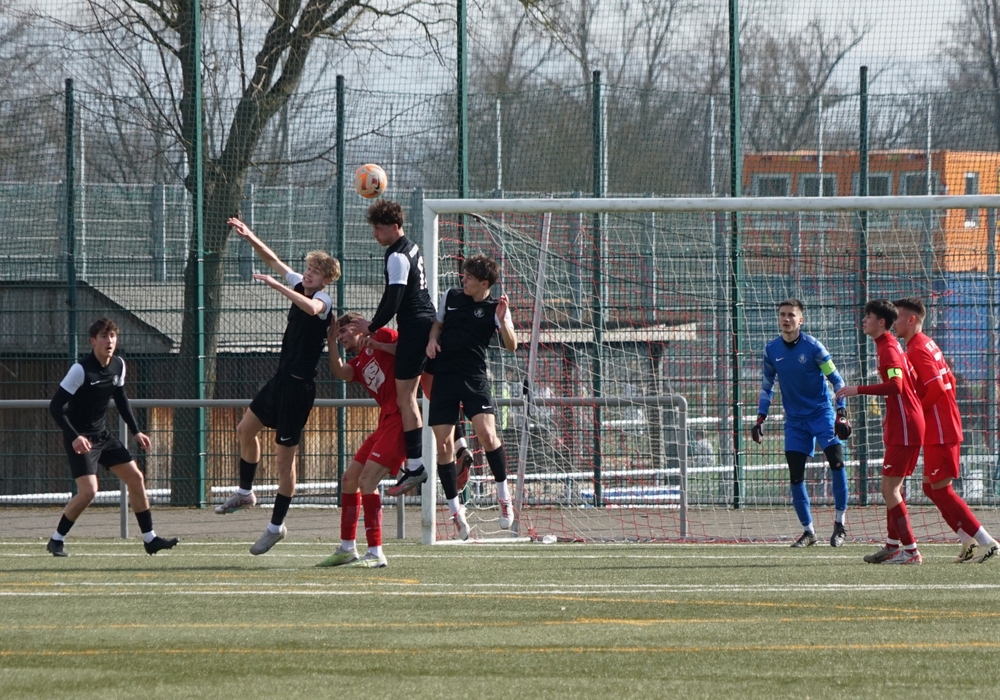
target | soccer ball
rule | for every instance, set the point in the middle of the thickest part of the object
(370, 180)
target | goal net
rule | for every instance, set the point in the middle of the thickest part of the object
(625, 412)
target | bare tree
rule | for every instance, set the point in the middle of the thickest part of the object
(973, 50)
(257, 56)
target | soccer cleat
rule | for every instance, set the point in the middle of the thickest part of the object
(881, 555)
(340, 557)
(905, 556)
(967, 553)
(461, 523)
(808, 539)
(838, 536)
(408, 481)
(158, 544)
(237, 501)
(506, 515)
(990, 552)
(464, 460)
(372, 561)
(268, 540)
(55, 548)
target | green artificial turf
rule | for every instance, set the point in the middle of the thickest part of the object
(486, 621)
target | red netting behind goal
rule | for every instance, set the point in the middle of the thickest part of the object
(637, 307)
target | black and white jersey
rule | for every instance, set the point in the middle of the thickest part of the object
(468, 328)
(305, 335)
(90, 388)
(404, 269)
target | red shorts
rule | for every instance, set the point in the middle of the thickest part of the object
(900, 460)
(385, 446)
(941, 461)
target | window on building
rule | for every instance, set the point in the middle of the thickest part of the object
(971, 187)
(771, 185)
(879, 185)
(915, 185)
(809, 186)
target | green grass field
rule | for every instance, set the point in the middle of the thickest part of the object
(491, 621)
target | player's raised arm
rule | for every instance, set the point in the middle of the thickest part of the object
(266, 254)
(314, 306)
(506, 324)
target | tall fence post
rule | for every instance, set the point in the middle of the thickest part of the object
(598, 243)
(861, 292)
(736, 248)
(339, 233)
(158, 220)
(70, 214)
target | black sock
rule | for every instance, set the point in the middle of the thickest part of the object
(145, 519)
(497, 459)
(414, 440)
(281, 503)
(449, 479)
(459, 430)
(247, 473)
(64, 525)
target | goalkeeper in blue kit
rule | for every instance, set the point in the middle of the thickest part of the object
(802, 366)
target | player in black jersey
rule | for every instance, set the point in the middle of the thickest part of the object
(406, 298)
(88, 388)
(284, 402)
(467, 321)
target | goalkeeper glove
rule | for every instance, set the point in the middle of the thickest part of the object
(842, 427)
(758, 430)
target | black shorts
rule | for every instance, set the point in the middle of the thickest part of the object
(411, 348)
(284, 403)
(106, 450)
(452, 390)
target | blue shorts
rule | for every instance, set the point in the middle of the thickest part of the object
(802, 434)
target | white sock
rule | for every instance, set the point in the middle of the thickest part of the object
(983, 537)
(459, 444)
(149, 536)
(414, 464)
(840, 516)
(810, 529)
(243, 492)
(271, 527)
(454, 505)
(891, 543)
(503, 493)
(911, 547)
(377, 551)
(57, 536)
(348, 545)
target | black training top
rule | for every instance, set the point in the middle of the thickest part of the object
(305, 335)
(88, 388)
(405, 294)
(468, 328)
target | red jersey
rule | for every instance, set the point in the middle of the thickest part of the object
(903, 423)
(376, 369)
(943, 422)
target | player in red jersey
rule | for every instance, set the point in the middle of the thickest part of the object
(943, 433)
(903, 430)
(382, 453)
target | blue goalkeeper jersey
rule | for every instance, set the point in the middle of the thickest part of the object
(802, 368)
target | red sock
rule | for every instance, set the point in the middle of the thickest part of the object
(372, 503)
(891, 531)
(351, 504)
(954, 510)
(901, 517)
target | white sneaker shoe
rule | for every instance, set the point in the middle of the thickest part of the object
(372, 561)
(506, 515)
(461, 523)
(268, 540)
(967, 552)
(990, 551)
(905, 557)
(237, 501)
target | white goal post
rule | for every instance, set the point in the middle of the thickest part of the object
(484, 209)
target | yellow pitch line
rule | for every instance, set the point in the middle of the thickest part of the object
(338, 651)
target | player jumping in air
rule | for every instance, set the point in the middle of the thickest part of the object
(802, 366)
(405, 297)
(382, 453)
(285, 401)
(88, 388)
(935, 387)
(903, 428)
(467, 321)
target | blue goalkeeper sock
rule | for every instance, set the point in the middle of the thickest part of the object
(800, 499)
(839, 478)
